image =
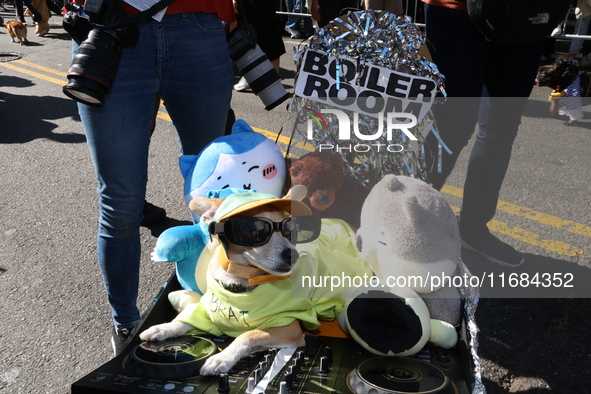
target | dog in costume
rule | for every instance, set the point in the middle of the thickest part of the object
(409, 323)
(244, 161)
(249, 284)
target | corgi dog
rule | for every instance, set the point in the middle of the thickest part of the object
(16, 30)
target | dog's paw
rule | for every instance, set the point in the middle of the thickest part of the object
(165, 331)
(220, 363)
(156, 333)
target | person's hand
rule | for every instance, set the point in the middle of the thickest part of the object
(314, 10)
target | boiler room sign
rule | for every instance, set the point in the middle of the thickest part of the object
(366, 89)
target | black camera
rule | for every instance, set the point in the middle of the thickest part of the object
(255, 65)
(100, 30)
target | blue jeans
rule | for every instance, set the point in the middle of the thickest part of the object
(185, 59)
(581, 28)
(293, 21)
(469, 64)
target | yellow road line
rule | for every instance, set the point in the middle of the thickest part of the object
(34, 74)
(563, 224)
(163, 115)
(46, 69)
(558, 247)
(284, 140)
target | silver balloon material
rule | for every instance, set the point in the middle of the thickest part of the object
(366, 37)
(380, 38)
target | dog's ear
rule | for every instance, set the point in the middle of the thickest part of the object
(205, 207)
(297, 192)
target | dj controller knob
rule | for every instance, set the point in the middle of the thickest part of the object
(289, 380)
(251, 385)
(328, 354)
(283, 387)
(224, 384)
(295, 369)
(257, 375)
(268, 361)
(323, 365)
(297, 361)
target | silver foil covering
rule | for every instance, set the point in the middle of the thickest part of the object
(392, 42)
(471, 296)
(385, 40)
(380, 38)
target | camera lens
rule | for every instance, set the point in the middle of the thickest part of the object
(262, 78)
(93, 68)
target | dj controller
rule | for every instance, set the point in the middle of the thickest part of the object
(325, 365)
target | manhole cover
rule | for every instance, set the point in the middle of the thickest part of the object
(8, 56)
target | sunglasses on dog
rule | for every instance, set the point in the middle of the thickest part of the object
(256, 231)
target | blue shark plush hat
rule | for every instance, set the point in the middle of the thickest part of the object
(244, 160)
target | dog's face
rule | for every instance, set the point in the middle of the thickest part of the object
(558, 75)
(275, 257)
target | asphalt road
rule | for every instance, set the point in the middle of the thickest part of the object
(54, 319)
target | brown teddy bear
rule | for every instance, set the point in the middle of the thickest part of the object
(331, 194)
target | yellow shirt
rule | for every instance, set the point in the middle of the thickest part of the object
(279, 303)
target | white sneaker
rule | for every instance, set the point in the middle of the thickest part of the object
(557, 31)
(241, 85)
(294, 33)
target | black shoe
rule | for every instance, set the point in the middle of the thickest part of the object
(152, 214)
(119, 339)
(492, 248)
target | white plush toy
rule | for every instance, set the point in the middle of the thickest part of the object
(409, 235)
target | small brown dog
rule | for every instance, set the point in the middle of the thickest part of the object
(16, 30)
(255, 253)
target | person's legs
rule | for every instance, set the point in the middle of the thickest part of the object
(118, 136)
(42, 26)
(293, 21)
(184, 58)
(459, 51)
(581, 28)
(20, 10)
(196, 78)
(300, 6)
(509, 84)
